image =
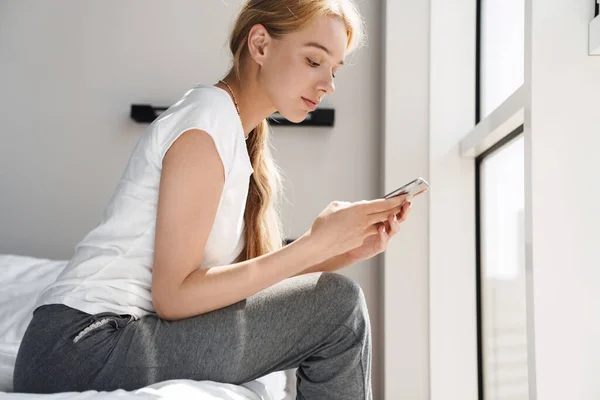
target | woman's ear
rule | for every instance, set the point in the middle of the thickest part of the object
(258, 41)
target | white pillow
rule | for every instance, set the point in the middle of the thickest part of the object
(22, 279)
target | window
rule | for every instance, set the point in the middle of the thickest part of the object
(478, 98)
(501, 296)
(501, 45)
(500, 202)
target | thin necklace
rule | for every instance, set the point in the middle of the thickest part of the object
(234, 100)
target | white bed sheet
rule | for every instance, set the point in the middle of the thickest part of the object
(173, 389)
(23, 277)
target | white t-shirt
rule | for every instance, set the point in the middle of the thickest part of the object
(111, 269)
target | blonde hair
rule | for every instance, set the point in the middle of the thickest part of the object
(263, 228)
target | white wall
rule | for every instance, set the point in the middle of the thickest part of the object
(562, 134)
(405, 157)
(69, 71)
(452, 329)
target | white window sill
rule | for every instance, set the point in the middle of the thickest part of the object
(502, 121)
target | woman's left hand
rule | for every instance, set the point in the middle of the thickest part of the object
(378, 243)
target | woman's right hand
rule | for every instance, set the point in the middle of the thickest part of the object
(343, 226)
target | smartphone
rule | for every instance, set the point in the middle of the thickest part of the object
(411, 189)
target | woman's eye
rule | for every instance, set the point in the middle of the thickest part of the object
(312, 63)
(315, 64)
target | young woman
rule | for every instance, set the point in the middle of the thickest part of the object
(185, 275)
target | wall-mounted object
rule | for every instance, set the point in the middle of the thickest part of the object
(319, 117)
(145, 113)
(595, 31)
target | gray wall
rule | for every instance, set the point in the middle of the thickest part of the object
(69, 71)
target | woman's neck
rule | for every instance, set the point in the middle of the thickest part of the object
(254, 105)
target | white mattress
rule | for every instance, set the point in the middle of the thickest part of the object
(22, 278)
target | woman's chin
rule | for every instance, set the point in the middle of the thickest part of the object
(296, 117)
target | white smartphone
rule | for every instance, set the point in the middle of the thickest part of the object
(411, 189)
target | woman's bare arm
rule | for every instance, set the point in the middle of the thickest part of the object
(330, 265)
(190, 190)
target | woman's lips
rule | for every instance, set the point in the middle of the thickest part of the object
(310, 104)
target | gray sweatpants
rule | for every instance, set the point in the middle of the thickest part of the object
(317, 322)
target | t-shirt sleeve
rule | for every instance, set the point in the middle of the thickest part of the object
(192, 117)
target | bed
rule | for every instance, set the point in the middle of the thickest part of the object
(23, 277)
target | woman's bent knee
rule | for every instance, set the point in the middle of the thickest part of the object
(343, 297)
(346, 288)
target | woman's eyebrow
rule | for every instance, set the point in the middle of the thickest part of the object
(320, 46)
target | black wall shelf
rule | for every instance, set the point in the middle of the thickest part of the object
(146, 113)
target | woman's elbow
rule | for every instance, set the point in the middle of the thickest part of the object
(162, 304)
